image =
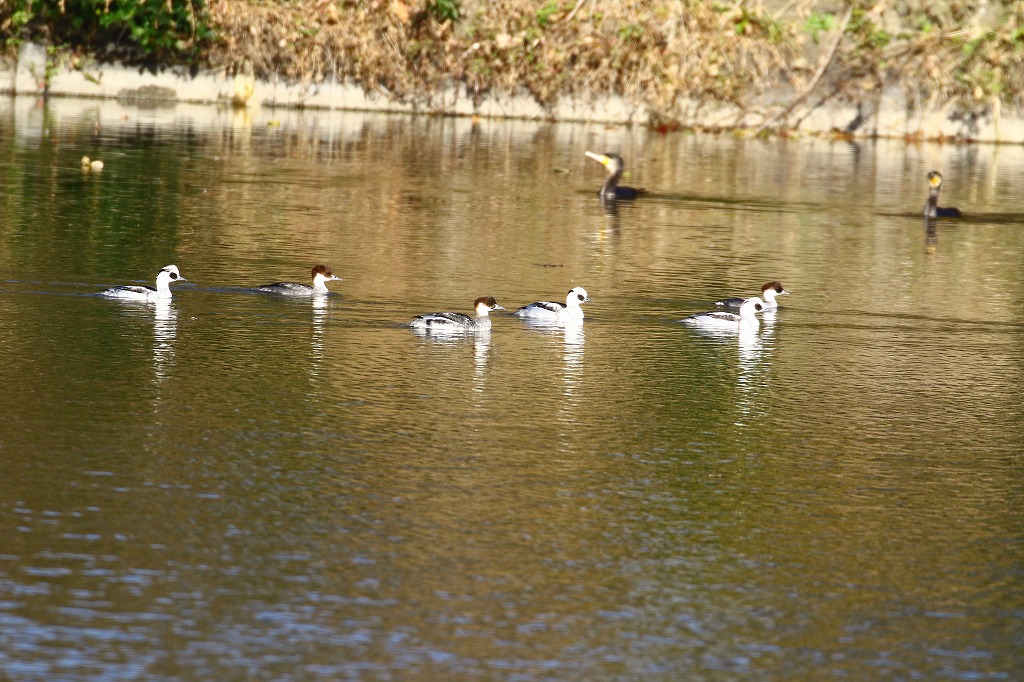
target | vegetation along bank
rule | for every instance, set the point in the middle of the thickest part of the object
(914, 68)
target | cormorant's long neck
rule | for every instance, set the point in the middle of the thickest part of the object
(608, 189)
(931, 208)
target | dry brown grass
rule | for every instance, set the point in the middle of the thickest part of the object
(660, 54)
(771, 61)
(673, 57)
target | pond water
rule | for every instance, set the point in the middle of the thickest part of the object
(242, 486)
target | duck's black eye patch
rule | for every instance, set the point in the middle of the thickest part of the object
(580, 297)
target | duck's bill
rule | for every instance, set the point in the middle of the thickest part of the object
(600, 158)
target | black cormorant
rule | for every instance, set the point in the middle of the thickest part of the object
(611, 188)
(932, 208)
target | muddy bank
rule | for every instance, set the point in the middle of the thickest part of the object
(917, 71)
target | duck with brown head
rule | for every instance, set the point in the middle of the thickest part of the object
(321, 274)
(769, 291)
(458, 322)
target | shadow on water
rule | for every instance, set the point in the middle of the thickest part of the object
(681, 200)
(968, 218)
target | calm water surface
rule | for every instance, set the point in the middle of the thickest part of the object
(238, 486)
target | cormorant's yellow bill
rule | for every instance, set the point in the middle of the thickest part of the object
(931, 207)
(611, 189)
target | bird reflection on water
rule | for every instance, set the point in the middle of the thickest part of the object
(751, 380)
(573, 341)
(481, 341)
(573, 338)
(317, 330)
(752, 346)
(481, 356)
(165, 329)
(931, 235)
